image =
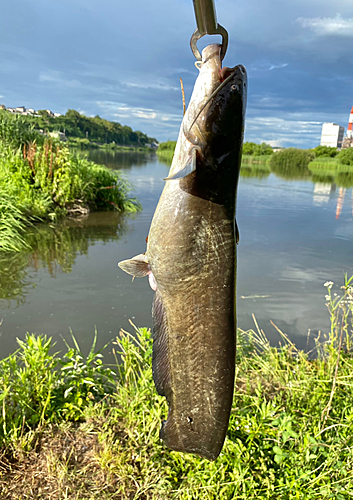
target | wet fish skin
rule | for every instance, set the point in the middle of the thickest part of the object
(191, 254)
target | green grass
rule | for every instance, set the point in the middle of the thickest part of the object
(40, 179)
(260, 161)
(71, 427)
(329, 164)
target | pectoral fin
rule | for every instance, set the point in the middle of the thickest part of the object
(138, 266)
(189, 168)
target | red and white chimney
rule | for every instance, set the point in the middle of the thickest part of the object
(350, 124)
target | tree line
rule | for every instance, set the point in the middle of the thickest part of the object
(97, 129)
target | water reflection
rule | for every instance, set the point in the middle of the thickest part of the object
(55, 249)
(258, 173)
(118, 159)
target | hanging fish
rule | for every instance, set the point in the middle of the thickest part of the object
(191, 263)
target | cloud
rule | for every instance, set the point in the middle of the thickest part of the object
(328, 26)
(282, 131)
(273, 66)
(268, 67)
(121, 110)
(158, 86)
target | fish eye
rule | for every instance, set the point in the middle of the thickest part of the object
(235, 87)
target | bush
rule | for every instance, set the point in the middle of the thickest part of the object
(325, 152)
(291, 162)
(41, 179)
(16, 131)
(346, 156)
(168, 145)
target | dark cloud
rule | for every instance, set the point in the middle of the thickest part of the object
(123, 60)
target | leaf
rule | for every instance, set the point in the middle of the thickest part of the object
(67, 392)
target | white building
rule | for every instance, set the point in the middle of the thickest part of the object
(332, 135)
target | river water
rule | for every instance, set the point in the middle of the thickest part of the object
(295, 234)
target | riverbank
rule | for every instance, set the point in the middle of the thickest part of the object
(41, 180)
(85, 144)
(71, 427)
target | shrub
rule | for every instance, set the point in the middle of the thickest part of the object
(16, 131)
(291, 162)
(43, 180)
(346, 156)
(168, 145)
(325, 151)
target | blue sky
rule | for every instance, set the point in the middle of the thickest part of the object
(122, 60)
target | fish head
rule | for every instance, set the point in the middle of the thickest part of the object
(215, 118)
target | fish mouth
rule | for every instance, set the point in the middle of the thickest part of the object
(228, 72)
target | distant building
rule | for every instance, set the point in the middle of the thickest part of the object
(56, 115)
(50, 113)
(11, 110)
(20, 109)
(2, 106)
(332, 135)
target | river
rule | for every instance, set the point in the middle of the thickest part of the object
(295, 234)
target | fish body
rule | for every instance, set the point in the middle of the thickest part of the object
(191, 263)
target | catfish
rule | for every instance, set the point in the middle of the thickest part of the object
(190, 262)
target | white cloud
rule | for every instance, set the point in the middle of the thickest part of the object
(121, 110)
(282, 132)
(268, 67)
(273, 66)
(158, 86)
(326, 26)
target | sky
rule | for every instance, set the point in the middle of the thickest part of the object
(122, 60)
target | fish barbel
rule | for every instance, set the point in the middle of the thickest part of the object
(191, 263)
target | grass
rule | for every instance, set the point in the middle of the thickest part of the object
(329, 164)
(40, 179)
(261, 161)
(71, 427)
(77, 142)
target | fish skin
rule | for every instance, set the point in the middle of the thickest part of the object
(191, 252)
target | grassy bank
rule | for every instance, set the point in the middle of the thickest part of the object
(40, 179)
(166, 150)
(85, 144)
(329, 165)
(71, 428)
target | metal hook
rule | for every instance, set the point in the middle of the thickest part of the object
(206, 22)
(197, 35)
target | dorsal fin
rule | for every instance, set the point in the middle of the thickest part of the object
(160, 356)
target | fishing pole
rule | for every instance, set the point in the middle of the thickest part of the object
(207, 24)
